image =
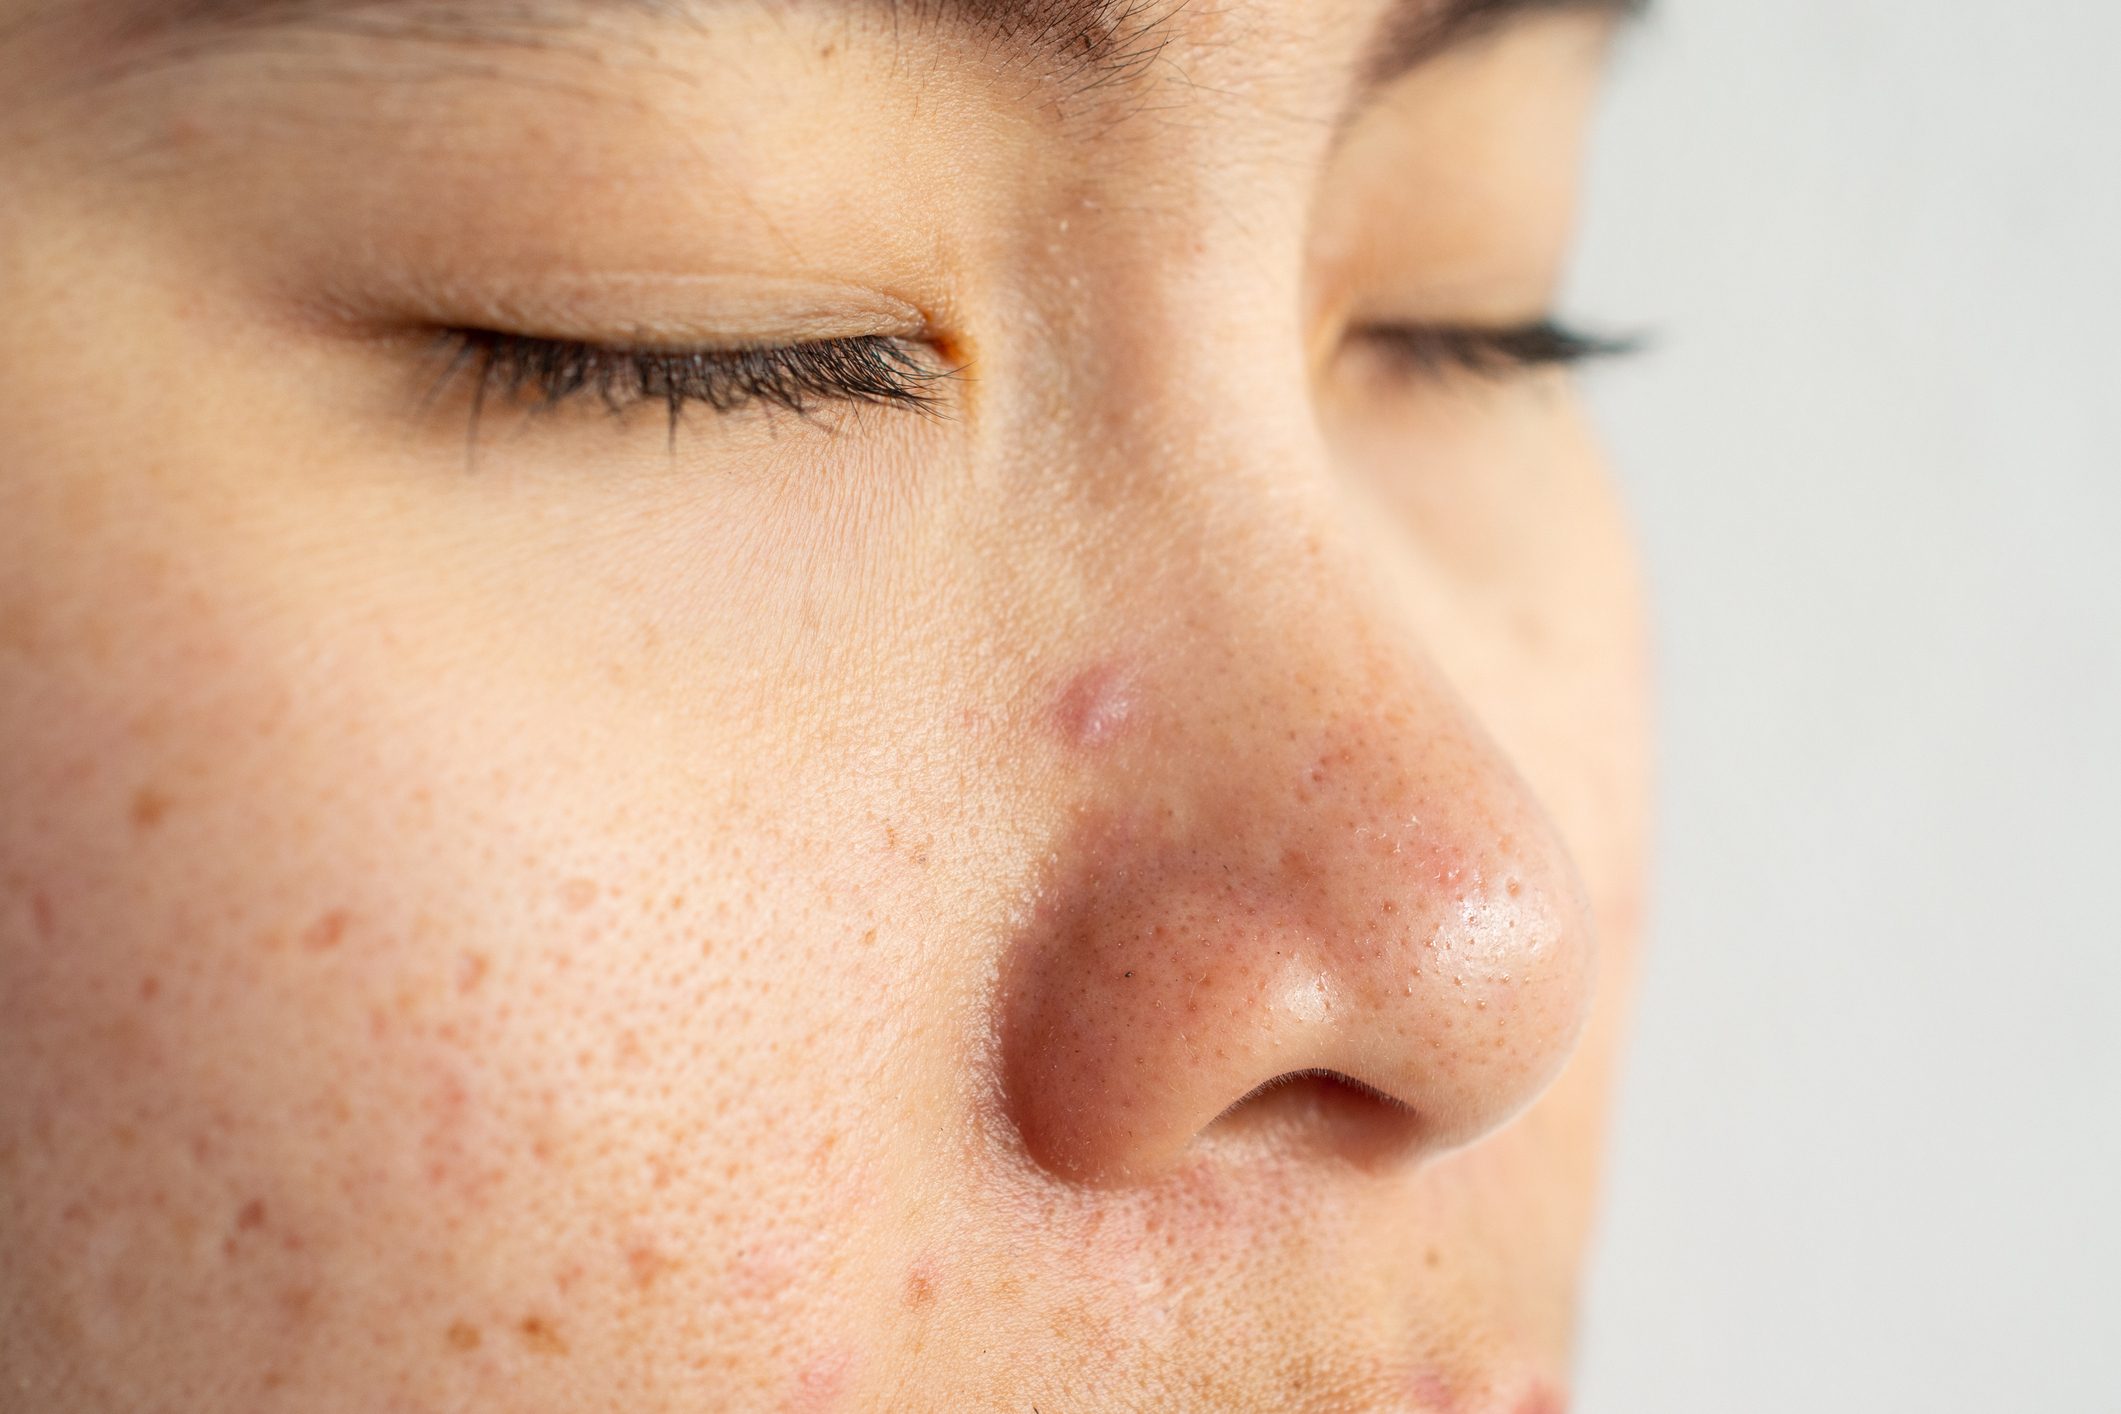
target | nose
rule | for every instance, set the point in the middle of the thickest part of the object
(1304, 902)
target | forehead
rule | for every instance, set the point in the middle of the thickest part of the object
(1069, 45)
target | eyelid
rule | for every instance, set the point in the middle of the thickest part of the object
(644, 309)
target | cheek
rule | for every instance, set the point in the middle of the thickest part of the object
(342, 1016)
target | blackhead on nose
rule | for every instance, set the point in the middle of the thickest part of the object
(1305, 891)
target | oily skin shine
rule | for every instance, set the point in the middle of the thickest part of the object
(1119, 894)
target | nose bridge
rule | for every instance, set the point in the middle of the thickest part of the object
(1295, 855)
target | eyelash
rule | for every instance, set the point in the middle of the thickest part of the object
(1491, 351)
(874, 370)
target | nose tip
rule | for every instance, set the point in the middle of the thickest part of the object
(1371, 942)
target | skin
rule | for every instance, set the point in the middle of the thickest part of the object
(797, 914)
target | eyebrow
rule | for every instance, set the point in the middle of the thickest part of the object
(1413, 34)
(1092, 42)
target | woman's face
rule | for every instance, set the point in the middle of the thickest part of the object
(1064, 835)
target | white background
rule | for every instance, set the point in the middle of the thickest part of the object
(1869, 1147)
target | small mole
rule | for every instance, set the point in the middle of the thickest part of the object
(539, 1335)
(1130, 974)
(463, 1335)
(327, 932)
(149, 806)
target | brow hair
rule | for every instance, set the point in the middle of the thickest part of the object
(1082, 44)
(1412, 34)
(1107, 39)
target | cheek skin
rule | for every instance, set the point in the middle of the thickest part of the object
(328, 1013)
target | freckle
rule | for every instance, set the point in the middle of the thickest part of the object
(252, 1217)
(578, 894)
(539, 1334)
(149, 806)
(647, 1265)
(471, 971)
(327, 932)
(920, 1290)
(462, 1335)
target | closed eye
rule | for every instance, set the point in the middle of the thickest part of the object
(541, 374)
(1489, 351)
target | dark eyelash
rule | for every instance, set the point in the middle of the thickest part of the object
(873, 370)
(1492, 351)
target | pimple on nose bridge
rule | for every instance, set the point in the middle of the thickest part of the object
(1097, 704)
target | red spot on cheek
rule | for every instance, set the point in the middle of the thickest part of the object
(327, 932)
(1433, 1393)
(1543, 1399)
(821, 1382)
(1097, 705)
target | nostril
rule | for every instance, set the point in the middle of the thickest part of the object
(1322, 1113)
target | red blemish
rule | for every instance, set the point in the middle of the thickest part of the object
(1096, 705)
(647, 1264)
(150, 988)
(327, 932)
(578, 894)
(252, 1217)
(40, 912)
(1543, 1399)
(471, 971)
(149, 806)
(821, 1382)
(1433, 1393)
(542, 1336)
